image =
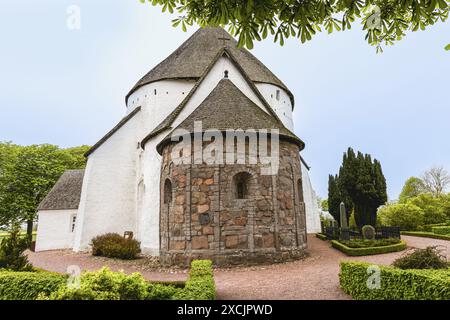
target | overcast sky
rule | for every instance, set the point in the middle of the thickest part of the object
(67, 87)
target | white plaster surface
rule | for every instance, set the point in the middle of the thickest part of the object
(55, 229)
(311, 206)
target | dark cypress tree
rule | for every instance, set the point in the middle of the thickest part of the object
(361, 186)
(334, 198)
(345, 181)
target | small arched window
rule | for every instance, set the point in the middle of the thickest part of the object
(300, 190)
(241, 182)
(167, 191)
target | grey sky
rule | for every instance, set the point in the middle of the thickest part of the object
(68, 87)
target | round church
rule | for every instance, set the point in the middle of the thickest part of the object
(204, 165)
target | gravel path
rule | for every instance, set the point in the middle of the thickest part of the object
(315, 277)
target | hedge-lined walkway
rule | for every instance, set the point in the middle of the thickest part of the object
(313, 278)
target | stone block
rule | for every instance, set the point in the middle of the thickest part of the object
(177, 245)
(202, 208)
(231, 242)
(208, 230)
(200, 242)
(180, 199)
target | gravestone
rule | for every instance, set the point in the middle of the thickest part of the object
(368, 232)
(344, 232)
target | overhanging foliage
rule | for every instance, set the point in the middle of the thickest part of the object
(384, 21)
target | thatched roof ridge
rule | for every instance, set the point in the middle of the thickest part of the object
(194, 56)
(66, 193)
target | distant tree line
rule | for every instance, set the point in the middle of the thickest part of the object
(423, 201)
(27, 174)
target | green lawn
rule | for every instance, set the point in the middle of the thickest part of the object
(4, 234)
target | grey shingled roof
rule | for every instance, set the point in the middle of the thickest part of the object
(227, 108)
(66, 193)
(194, 56)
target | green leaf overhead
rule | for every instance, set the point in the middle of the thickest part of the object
(383, 21)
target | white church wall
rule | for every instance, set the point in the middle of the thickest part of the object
(280, 102)
(149, 227)
(108, 198)
(55, 229)
(159, 99)
(311, 206)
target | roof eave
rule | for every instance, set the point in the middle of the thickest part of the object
(112, 131)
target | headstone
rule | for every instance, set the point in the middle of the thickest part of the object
(343, 216)
(368, 232)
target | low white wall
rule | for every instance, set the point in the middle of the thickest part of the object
(311, 206)
(55, 230)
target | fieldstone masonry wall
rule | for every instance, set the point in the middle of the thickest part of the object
(206, 219)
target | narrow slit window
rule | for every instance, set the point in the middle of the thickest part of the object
(73, 221)
(300, 190)
(241, 183)
(167, 191)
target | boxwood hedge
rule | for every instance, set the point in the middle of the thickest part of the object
(28, 285)
(200, 284)
(445, 230)
(108, 285)
(395, 284)
(369, 250)
(321, 236)
(426, 235)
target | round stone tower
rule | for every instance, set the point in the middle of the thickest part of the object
(229, 211)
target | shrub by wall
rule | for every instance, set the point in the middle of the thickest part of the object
(369, 250)
(426, 235)
(113, 245)
(395, 284)
(28, 285)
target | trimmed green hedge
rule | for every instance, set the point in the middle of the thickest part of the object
(28, 285)
(200, 284)
(445, 230)
(321, 236)
(368, 251)
(365, 243)
(426, 235)
(429, 227)
(108, 285)
(395, 284)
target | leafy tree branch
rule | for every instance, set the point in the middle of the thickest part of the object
(384, 21)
